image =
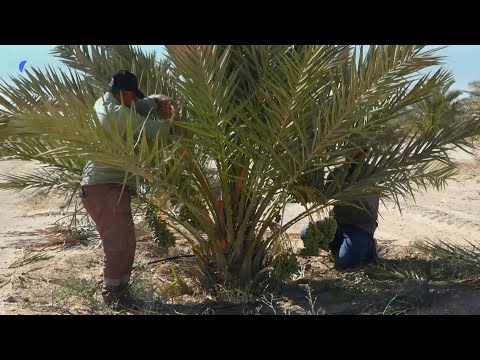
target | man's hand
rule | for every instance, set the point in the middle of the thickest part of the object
(166, 107)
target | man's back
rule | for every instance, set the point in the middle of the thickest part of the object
(363, 215)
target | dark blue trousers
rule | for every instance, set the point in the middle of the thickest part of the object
(351, 247)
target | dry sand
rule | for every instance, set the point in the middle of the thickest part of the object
(449, 215)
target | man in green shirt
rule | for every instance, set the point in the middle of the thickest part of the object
(107, 204)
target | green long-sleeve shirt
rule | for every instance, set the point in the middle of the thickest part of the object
(109, 110)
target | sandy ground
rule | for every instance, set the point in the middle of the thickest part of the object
(22, 214)
(449, 215)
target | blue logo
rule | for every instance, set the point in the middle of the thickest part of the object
(22, 65)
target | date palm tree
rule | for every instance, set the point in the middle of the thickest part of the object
(261, 126)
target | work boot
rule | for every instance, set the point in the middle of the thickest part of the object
(117, 296)
(373, 259)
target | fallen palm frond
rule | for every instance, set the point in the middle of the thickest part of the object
(453, 261)
(27, 258)
(67, 236)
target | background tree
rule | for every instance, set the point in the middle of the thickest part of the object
(440, 110)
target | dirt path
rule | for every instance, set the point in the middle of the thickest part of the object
(449, 215)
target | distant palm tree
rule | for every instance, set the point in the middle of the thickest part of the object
(440, 110)
(471, 104)
(260, 121)
(474, 89)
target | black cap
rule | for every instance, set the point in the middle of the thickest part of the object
(125, 80)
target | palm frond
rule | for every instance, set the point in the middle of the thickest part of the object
(45, 179)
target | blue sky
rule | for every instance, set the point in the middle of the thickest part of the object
(463, 60)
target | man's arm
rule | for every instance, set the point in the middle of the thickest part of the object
(164, 107)
(111, 113)
(146, 106)
(334, 177)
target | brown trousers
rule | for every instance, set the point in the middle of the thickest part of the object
(110, 209)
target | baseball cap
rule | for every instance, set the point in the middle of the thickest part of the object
(125, 80)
